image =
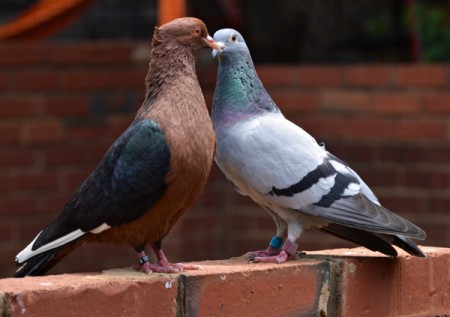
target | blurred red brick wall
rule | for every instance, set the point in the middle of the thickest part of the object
(62, 105)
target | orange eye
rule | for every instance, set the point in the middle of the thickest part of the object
(197, 30)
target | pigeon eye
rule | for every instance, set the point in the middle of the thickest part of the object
(196, 31)
(233, 38)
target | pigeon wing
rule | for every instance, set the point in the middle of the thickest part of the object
(290, 170)
(128, 180)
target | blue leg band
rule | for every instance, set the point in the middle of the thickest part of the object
(276, 242)
(143, 260)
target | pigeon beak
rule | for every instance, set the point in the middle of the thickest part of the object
(211, 44)
(215, 51)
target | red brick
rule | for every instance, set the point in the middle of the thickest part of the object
(6, 80)
(29, 181)
(342, 100)
(320, 76)
(209, 97)
(369, 286)
(73, 178)
(265, 223)
(18, 158)
(438, 268)
(428, 179)
(9, 134)
(132, 78)
(239, 290)
(439, 205)
(440, 154)
(17, 54)
(5, 233)
(30, 226)
(206, 77)
(35, 80)
(19, 106)
(374, 285)
(421, 76)
(19, 206)
(409, 204)
(86, 258)
(380, 177)
(403, 154)
(437, 102)
(414, 289)
(325, 127)
(88, 79)
(242, 200)
(66, 155)
(279, 75)
(435, 233)
(193, 225)
(420, 129)
(294, 100)
(115, 52)
(42, 131)
(368, 76)
(110, 52)
(396, 102)
(55, 203)
(353, 152)
(7, 260)
(62, 53)
(66, 105)
(91, 80)
(88, 133)
(361, 128)
(118, 124)
(111, 294)
(212, 198)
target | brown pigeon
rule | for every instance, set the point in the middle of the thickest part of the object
(152, 173)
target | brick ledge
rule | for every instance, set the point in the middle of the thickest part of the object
(340, 282)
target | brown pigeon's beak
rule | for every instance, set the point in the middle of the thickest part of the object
(211, 44)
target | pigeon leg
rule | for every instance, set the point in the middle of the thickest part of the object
(272, 249)
(288, 251)
(163, 265)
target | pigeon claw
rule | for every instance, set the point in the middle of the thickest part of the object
(279, 258)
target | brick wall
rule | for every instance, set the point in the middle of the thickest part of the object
(338, 282)
(62, 105)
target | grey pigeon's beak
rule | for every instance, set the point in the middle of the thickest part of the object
(215, 51)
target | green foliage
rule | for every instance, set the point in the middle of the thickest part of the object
(434, 30)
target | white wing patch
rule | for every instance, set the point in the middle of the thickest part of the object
(102, 227)
(307, 197)
(341, 168)
(352, 189)
(27, 253)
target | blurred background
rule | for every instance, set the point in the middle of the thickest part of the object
(370, 78)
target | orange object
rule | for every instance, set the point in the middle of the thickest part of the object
(43, 19)
(170, 9)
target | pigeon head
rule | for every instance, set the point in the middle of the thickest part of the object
(188, 32)
(239, 94)
(230, 43)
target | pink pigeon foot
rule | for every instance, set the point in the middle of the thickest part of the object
(163, 266)
(288, 251)
(267, 252)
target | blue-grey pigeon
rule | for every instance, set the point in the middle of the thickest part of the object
(285, 171)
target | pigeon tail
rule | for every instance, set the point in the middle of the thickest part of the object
(408, 245)
(43, 262)
(360, 237)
